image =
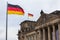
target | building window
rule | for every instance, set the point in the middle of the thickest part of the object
(27, 29)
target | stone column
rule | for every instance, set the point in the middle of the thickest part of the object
(49, 36)
(34, 36)
(39, 35)
(25, 38)
(54, 33)
(43, 34)
(59, 30)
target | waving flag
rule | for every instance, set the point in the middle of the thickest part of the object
(15, 9)
(30, 15)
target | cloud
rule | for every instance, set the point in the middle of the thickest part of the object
(29, 6)
(2, 29)
(12, 33)
(2, 33)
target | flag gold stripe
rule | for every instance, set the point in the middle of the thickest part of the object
(15, 12)
(30, 16)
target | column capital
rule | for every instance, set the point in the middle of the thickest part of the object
(38, 30)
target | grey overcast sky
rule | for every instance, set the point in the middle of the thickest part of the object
(30, 6)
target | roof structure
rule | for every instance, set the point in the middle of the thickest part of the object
(44, 18)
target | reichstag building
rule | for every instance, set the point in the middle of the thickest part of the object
(47, 27)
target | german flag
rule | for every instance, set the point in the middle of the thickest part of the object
(30, 15)
(15, 9)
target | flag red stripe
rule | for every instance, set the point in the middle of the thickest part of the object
(15, 9)
(30, 15)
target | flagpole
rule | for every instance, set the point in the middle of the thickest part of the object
(7, 22)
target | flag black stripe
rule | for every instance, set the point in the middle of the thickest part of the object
(17, 6)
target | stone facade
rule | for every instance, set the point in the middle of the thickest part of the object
(47, 27)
